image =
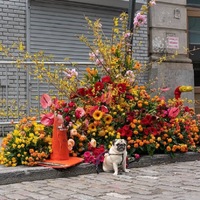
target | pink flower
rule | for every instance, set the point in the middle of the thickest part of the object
(92, 56)
(70, 73)
(165, 89)
(45, 101)
(79, 112)
(152, 2)
(87, 156)
(173, 112)
(99, 62)
(131, 76)
(137, 156)
(127, 35)
(47, 119)
(139, 20)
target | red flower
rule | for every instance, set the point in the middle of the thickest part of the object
(71, 104)
(98, 86)
(130, 97)
(121, 87)
(131, 116)
(106, 79)
(89, 92)
(98, 150)
(81, 92)
(151, 130)
(187, 109)
(125, 131)
(67, 118)
(147, 120)
(66, 110)
(104, 109)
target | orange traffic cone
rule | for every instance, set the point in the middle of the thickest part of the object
(59, 141)
(60, 154)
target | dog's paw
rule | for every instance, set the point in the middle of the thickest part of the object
(115, 174)
(127, 170)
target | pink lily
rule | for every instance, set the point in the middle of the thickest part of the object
(47, 119)
(45, 101)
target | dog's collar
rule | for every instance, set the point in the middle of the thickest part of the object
(120, 154)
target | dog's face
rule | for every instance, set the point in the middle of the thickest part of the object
(119, 145)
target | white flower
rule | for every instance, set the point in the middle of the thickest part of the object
(131, 76)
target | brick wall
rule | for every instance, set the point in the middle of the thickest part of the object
(13, 21)
(12, 29)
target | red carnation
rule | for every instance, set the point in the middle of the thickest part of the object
(121, 87)
(106, 79)
(98, 86)
(81, 92)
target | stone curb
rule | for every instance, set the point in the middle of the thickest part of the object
(9, 175)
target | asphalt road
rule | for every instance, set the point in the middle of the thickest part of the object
(178, 181)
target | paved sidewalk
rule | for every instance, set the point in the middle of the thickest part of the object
(178, 181)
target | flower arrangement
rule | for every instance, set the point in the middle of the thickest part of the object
(108, 103)
(105, 105)
(29, 143)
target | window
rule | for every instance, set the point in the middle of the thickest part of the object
(193, 2)
(194, 41)
(194, 30)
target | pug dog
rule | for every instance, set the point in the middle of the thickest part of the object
(116, 156)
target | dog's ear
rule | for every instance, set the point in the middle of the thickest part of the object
(124, 141)
(113, 142)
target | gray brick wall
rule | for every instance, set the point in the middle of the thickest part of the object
(13, 21)
(12, 29)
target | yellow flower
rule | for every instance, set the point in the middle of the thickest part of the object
(102, 133)
(97, 115)
(92, 127)
(31, 135)
(108, 118)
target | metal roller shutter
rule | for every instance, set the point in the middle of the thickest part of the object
(55, 25)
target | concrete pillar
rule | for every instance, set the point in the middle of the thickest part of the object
(168, 34)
